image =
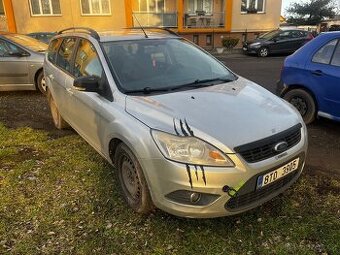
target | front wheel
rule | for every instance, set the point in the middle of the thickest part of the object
(134, 187)
(303, 102)
(41, 83)
(263, 52)
(58, 120)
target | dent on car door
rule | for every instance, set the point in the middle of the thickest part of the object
(324, 68)
(88, 110)
(13, 68)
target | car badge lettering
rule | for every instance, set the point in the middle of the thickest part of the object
(281, 146)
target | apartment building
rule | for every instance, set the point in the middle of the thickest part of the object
(203, 21)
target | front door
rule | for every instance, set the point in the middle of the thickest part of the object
(325, 77)
(13, 68)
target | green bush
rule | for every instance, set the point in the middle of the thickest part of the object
(230, 42)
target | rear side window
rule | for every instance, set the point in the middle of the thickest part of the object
(87, 61)
(65, 53)
(52, 50)
(324, 54)
(336, 56)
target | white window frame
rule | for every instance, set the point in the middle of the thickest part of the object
(100, 9)
(41, 11)
(256, 6)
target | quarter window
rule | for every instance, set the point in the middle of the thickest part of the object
(45, 7)
(95, 7)
(7, 48)
(336, 56)
(253, 6)
(52, 50)
(87, 61)
(2, 11)
(65, 52)
(324, 55)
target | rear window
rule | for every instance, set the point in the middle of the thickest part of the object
(27, 42)
(324, 54)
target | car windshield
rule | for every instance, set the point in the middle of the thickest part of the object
(27, 42)
(163, 65)
(269, 35)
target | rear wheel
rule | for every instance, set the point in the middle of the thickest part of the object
(263, 52)
(58, 121)
(303, 102)
(134, 187)
(41, 83)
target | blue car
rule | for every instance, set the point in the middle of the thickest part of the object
(310, 78)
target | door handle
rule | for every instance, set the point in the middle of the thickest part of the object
(70, 91)
(317, 72)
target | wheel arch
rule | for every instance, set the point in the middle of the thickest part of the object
(299, 86)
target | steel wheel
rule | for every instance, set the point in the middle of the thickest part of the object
(303, 102)
(41, 83)
(133, 184)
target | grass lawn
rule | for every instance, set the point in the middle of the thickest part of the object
(58, 196)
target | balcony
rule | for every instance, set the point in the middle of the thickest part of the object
(204, 20)
(155, 19)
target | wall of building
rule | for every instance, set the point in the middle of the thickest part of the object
(70, 16)
(268, 20)
(3, 23)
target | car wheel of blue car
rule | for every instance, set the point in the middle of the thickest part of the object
(303, 102)
(134, 186)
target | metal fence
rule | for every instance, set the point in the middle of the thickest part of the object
(213, 20)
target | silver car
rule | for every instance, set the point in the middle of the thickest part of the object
(21, 63)
(185, 134)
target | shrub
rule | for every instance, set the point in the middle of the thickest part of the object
(230, 42)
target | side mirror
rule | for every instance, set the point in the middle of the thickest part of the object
(87, 84)
(18, 54)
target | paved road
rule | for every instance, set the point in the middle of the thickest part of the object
(324, 135)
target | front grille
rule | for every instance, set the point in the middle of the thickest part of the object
(246, 199)
(264, 149)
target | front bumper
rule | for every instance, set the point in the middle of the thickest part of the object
(250, 49)
(166, 177)
(281, 88)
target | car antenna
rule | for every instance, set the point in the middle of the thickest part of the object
(141, 27)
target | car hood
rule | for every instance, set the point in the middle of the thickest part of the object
(226, 115)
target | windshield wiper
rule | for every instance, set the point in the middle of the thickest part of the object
(202, 83)
(147, 90)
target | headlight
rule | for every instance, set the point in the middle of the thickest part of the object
(190, 150)
(255, 44)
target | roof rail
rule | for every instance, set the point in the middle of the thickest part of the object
(90, 31)
(159, 28)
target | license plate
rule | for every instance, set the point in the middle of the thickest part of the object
(277, 174)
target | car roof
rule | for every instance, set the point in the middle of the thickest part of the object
(121, 35)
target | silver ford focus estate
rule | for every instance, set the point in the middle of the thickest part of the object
(185, 134)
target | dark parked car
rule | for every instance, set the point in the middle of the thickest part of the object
(42, 36)
(277, 41)
(310, 79)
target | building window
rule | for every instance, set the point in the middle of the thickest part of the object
(45, 7)
(252, 6)
(199, 6)
(195, 39)
(208, 40)
(2, 11)
(151, 6)
(95, 7)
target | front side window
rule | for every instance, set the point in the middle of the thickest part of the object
(65, 52)
(253, 6)
(324, 55)
(95, 7)
(87, 61)
(163, 64)
(45, 7)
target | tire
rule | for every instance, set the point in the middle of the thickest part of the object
(58, 121)
(303, 102)
(41, 83)
(263, 52)
(133, 184)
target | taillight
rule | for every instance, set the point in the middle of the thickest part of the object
(310, 36)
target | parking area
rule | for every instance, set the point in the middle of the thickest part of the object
(19, 109)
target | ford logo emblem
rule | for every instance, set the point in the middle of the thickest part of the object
(281, 146)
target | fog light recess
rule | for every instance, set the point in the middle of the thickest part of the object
(192, 197)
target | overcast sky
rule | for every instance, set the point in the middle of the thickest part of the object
(286, 3)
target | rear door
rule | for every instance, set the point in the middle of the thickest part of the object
(324, 69)
(13, 69)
